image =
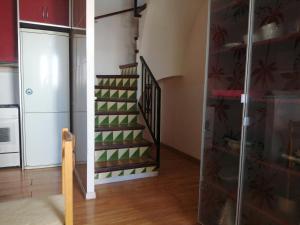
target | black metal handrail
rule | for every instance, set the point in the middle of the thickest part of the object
(136, 13)
(150, 104)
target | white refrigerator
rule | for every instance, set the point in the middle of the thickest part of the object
(45, 95)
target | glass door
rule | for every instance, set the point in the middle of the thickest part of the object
(224, 111)
(271, 178)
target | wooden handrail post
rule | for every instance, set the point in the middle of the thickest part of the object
(68, 143)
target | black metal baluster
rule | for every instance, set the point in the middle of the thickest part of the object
(151, 105)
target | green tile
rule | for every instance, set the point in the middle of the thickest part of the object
(138, 135)
(126, 82)
(104, 122)
(133, 83)
(114, 157)
(103, 107)
(106, 82)
(132, 95)
(124, 120)
(100, 81)
(105, 93)
(119, 138)
(102, 157)
(135, 155)
(122, 107)
(108, 138)
(123, 94)
(113, 107)
(129, 136)
(114, 94)
(98, 94)
(119, 82)
(112, 82)
(114, 121)
(133, 120)
(132, 107)
(109, 175)
(99, 137)
(125, 155)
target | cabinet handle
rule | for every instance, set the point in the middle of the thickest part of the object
(43, 14)
(47, 14)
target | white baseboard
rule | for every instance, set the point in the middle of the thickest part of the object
(90, 195)
(41, 167)
(125, 178)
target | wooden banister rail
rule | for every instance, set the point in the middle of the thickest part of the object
(139, 9)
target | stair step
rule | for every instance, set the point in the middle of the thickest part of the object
(119, 127)
(117, 113)
(102, 167)
(128, 65)
(122, 154)
(120, 81)
(115, 88)
(116, 94)
(114, 120)
(116, 106)
(127, 144)
(115, 100)
(118, 136)
(119, 76)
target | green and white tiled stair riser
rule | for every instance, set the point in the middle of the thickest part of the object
(116, 94)
(109, 137)
(125, 174)
(129, 71)
(122, 154)
(117, 82)
(109, 106)
(115, 120)
(124, 102)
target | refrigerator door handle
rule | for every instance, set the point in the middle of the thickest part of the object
(29, 91)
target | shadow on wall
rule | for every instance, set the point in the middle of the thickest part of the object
(182, 97)
(165, 32)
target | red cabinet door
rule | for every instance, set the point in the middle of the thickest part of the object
(57, 12)
(8, 36)
(45, 11)
(33, 10)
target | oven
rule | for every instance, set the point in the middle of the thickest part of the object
(9, 136)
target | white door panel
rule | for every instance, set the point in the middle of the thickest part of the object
(43, 138)
(80, 74)
(45, 69)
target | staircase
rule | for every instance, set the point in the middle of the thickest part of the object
(121, 152)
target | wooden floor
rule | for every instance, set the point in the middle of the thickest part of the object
(169, 199)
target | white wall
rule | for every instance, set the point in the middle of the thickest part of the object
(83, 102)
(114, 37)
(182, 98)
(164, 33)
(9, 86)
(109, 6)
(114, 43)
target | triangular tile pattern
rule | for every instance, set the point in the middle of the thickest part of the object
(117, 96)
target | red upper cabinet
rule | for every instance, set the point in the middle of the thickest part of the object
(45, 11)
(79, 13)
(57, 12)
(32, 10)
(8, 36)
